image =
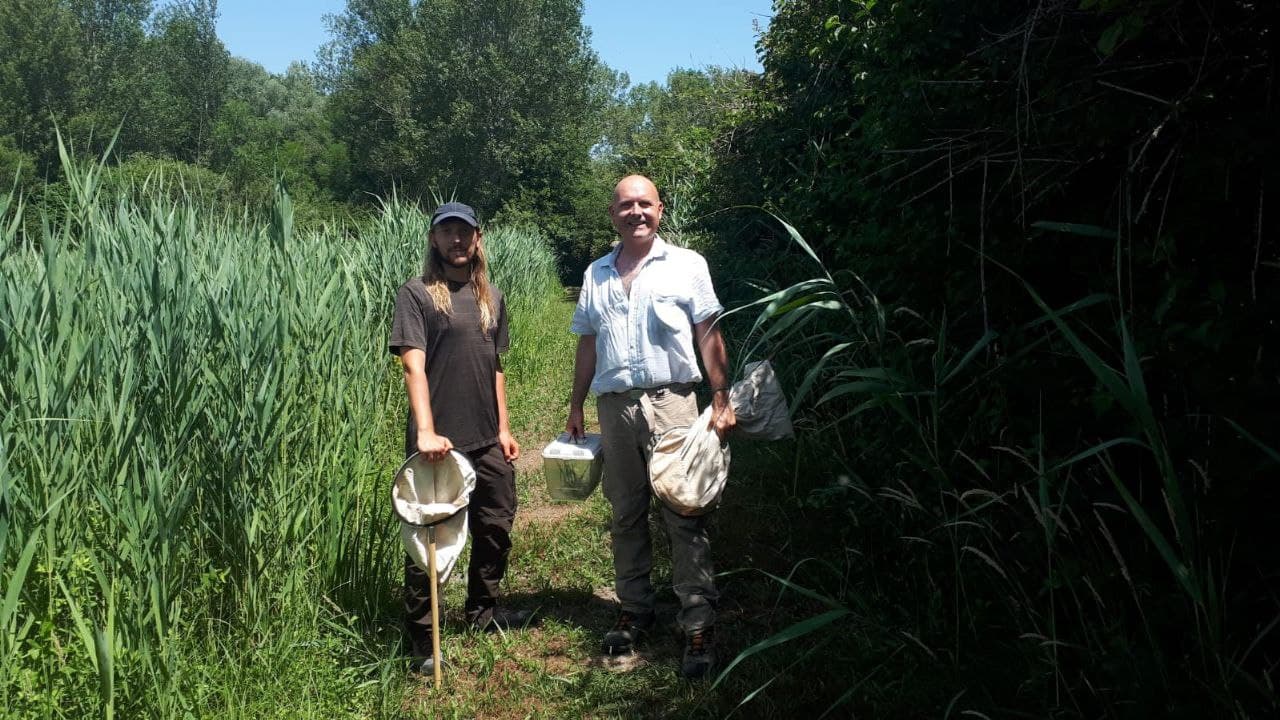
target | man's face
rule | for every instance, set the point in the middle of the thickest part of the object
(456, 241)
(636, 210)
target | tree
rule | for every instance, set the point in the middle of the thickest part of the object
(275, 126)
(17, 169)
(40, 52)
(1115, 155)
(673, 133)
(495, 100)
(189, 67)
(111, 37)
(112, 80)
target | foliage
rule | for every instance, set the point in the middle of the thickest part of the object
(274, 128)
(90, 64)
(16, 167)
(190, 75)
(38, 63)
(145, 176)
(672, 132)
(159, 84)
(117, 78)
(493, 101)
(1041, 345)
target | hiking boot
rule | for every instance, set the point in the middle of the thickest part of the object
(502, 619)
(699, 654)
(626, 633)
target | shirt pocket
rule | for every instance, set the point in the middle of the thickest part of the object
(670, 315)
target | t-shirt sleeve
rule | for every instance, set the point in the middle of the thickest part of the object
(408, 324)
(501, 338)
(581, 323)
(705, 303)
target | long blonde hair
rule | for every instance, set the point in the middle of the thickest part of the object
(437, 285)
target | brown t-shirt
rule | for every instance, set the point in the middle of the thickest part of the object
(461, 361)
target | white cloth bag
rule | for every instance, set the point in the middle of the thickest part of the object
(759, 404)
(424, 493)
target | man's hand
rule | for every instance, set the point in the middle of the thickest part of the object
(574, 425)
(434, 447)
(716, 360)
(723, 419)
(510, 448)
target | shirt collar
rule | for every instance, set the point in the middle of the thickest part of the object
(659, 250)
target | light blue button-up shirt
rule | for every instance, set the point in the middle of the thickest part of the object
(645, 340)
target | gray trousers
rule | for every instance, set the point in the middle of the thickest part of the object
(628, 423)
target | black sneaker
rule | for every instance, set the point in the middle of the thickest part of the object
(626, 633)
(699, 654)
(502, 619)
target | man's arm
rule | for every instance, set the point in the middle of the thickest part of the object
(510, 448)
(433, 446)
(715, 359)
(584, 368)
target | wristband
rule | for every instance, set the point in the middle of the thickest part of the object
(720, 389)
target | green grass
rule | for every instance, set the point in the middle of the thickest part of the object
(972, 561)
(195, 429)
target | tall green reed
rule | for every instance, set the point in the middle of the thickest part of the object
(198, 417)
(1012, 545)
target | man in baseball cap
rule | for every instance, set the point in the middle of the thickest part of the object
(449, 330)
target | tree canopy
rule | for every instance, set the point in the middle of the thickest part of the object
(492, 100)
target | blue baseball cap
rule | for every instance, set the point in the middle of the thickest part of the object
(457, 210)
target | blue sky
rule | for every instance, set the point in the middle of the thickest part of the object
(645, 39)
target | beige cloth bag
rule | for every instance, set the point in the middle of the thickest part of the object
(434, 494)
(689, 466)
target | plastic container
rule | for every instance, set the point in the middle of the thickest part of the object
(572, 468)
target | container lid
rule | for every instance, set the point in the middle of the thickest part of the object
(566, 448)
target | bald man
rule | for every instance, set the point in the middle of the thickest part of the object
(644, 308)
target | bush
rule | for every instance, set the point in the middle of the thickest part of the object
(17, 169)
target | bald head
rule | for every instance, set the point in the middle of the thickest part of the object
(636, 210)
(635, 184)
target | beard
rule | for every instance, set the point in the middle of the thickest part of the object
(456, 260)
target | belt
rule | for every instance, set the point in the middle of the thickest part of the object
(654, 392)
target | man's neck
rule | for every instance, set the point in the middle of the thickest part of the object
(457, 274)
(636, 250)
